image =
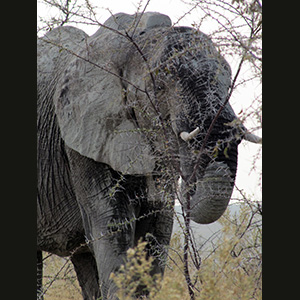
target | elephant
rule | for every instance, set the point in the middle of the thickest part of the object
(121, 116)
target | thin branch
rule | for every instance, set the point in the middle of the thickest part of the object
(54, 278)
(188, 280)
(212, 124)
(139, 20)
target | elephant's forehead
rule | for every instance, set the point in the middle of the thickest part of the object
(135, 22)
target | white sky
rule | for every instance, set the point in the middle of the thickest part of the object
(246, 180)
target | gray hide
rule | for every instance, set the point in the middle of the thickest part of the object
(89, 98)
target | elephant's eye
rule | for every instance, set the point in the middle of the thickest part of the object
(192, 190)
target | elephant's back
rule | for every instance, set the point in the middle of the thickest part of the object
(54, 49)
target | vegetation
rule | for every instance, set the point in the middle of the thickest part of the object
(231, 269)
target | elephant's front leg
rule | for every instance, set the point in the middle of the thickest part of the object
(108, 216)
(157, 227)
(110, 251)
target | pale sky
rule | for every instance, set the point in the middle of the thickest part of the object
(246, 180)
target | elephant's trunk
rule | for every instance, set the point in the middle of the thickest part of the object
(209, 195)
(207, 184)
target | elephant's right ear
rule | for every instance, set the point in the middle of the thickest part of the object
(92, 115)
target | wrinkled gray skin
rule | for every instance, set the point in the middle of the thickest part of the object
(103, 155)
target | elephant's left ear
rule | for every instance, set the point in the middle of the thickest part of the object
(93, 120)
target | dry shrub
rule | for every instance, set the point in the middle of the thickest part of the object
(232, 270)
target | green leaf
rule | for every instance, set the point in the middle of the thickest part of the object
(226, 152)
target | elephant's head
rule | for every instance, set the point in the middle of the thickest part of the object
(144, 88)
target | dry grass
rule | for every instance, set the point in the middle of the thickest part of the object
(60, 279)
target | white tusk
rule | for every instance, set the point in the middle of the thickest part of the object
(188, 136)
(252, 138)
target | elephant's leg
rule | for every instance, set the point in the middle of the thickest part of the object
(108, 216)
(39, 273)
(157, 227)
(156, 230)
(162, 232)
(110, 238)
(87, 274)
